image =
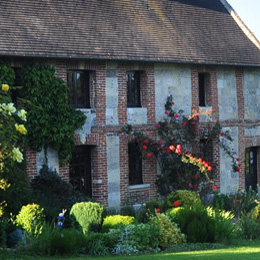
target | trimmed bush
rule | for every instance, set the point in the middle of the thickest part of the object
(171, 213)
(183, 197)
(117, 221)
(169, 233)
(138, 238)
(195, 222)
(87, 216)
(31, 218)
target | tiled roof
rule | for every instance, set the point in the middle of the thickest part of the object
(182, 31)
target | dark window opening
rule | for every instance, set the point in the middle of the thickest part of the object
(79, 88)
(133, 89)
(251, 168)
(80, 170)
(135, 165)
(202, 90)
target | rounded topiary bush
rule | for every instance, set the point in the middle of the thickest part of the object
(169, 232)
(255, 212)
(87, 216)
(195, 222)
(182, 198)
(31, 218)
(117, 221)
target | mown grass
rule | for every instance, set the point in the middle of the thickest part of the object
(246, 250)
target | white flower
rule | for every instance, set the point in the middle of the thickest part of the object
(17, 155)
(22, 114)
(9, 108)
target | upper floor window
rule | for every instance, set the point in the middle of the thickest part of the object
(135, 165)
(202, 90)
(133, 89)
(79, 88)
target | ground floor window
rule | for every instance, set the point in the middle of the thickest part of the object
(135, 165)
(80, 169)
(251, 168)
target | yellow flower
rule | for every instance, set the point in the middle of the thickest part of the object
(17, 155)
(21, 129)
(5, 87)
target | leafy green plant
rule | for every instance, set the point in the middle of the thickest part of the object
(225, 229)
(169, 233)
(249, 226)
(182, 198)
(195, 222)
(117, 221)
(88, 216)
(138, 238)
(100, 244)
(51, 121)
(31, 218)
(54, 241)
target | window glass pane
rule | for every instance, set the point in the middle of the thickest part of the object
(133, 89)
(135, 165)
(202, 93)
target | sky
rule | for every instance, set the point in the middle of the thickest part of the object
(249, 12)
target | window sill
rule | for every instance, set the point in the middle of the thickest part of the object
(139, 187)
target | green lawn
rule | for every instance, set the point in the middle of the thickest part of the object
(249, 251)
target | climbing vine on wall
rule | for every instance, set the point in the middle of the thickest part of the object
(51, 121)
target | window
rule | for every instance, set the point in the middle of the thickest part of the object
(202, 90)
(79, 88)
(135, 165)
(80, 170)
(133, 89)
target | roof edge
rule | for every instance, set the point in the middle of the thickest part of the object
(240, 23)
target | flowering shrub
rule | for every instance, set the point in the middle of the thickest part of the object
(178, 135)
(12, 128)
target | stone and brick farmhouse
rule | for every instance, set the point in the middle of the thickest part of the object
(122, 59)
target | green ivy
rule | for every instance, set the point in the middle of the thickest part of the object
(51, 121)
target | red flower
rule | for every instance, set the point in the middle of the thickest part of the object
(239, 165)
(196, 176)
(179, 174)
(178, 147)
(173, 103)
(138, 140)
(221, 134)
(176, 116)
(160, 143)
(167, 149)
(193, 122)
(171, 147)
(146, 141)
(200, 160)
(149, 154)
(238, 159)
(157, 210)
(238, 170)
(176, 203)
(184, 124)
(158, 125)
(210, 168)
(190, 185)
(214, 187)
(195, 186)
(166, 112)
(145, 147)
(197, 117)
